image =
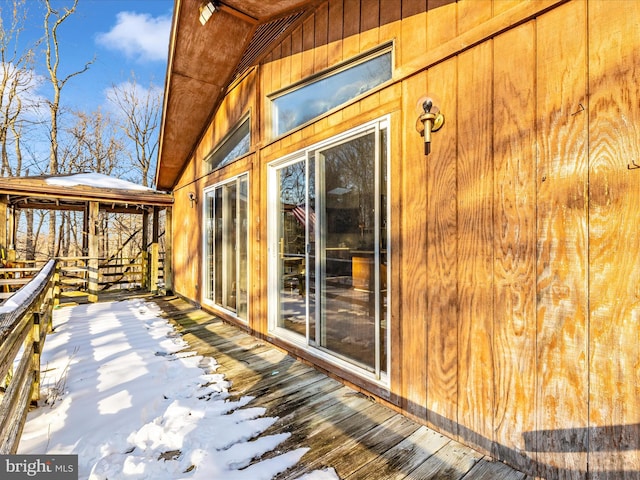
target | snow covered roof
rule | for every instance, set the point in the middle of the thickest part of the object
(73, 191)
(97, 180)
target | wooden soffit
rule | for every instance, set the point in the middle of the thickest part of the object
(204, 60)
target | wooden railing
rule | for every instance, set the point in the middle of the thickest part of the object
(25, 320)
(30, 292)
(145, 271)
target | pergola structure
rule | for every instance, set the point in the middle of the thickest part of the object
(90, 194)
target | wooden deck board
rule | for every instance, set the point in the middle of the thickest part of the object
(343, 429)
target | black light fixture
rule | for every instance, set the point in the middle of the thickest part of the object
(430, 121)
(206, 10)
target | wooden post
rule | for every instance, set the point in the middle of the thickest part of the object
(168, 251)
(153, 267)
(35, 359)
(11, 232)
(56, 289)
(3, 224)
(92, 262)
(145, 242)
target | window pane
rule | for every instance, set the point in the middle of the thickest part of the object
(243, 248)
(233, 147)
(293, 219)
(227, 246)
(301, 105)
(347, 250)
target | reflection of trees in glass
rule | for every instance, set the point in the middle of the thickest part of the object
(350, 186)
(292, 184)
(301, 105)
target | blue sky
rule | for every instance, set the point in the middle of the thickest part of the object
(124, 37)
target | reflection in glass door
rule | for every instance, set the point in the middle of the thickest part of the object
(293, 219)
(348, 250)
(226, 244)
(328, 248)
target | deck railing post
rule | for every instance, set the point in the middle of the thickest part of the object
(56, 286)
(153, 268)
(35, 358)
(92, 262)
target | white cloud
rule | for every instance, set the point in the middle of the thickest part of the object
(139, 35)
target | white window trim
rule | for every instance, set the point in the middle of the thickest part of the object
(302, 341)
(205, 270)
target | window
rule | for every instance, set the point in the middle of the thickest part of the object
(328, 213)
(297, 106)
(226, 246)
(233, 146)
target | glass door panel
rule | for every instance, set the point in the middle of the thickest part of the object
(293, 217)
(243, 248)
(347, 250)
(327, 241)
(226, 244)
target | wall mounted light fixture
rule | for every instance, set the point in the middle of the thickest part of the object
(430, 121)
(206, 10)
(193, 199)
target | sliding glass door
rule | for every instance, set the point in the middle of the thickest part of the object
(328, 248)
(226, 244)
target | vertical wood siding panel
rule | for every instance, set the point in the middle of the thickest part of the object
(442, 311)
(390, 25)
(296, 54)
(614, 239)
(475, 247)
(413, 7)
(285, 67)
(395, 259)
(351, 29)
(308, 44)
(442, 22)
(322, 35)
(561, 401)
(414, 265)
(472, 13)
(264, 102)
(514, 110)
(369, 24)
(276, 67)
(336, 20)
(413, 40)
(501, 6)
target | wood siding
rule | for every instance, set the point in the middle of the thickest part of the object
(515, 256)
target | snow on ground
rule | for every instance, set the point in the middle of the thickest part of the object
(121, 390)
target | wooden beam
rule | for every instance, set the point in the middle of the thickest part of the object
(144, 253)
(238, 14)
(3, 223)
(153, 264)
(168, 250)
(93, 251)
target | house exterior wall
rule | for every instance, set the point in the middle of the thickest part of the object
(515, 254)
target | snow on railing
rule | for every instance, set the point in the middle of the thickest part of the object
(25, 319)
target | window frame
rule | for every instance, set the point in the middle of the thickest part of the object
(382, 373)
(208, 296)
(379, 51)
(224, 142)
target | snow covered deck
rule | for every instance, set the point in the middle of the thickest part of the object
(345, 432)
(153, 387)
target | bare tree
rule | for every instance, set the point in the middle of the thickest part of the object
(53, 20)
(16, 79)
(140, 108)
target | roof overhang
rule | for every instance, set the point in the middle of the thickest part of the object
(40, 193)
(204, 60)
